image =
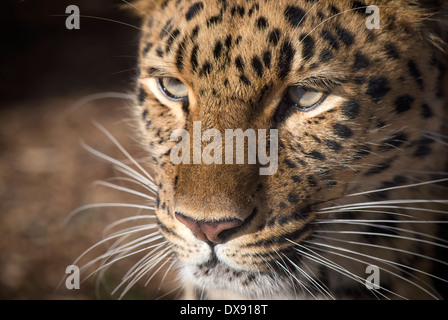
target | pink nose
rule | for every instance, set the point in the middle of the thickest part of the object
(208, 230)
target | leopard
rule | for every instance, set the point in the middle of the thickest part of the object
(360, 110)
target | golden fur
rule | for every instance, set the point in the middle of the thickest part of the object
(378, 129)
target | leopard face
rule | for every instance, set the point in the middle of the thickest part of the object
(360, 118)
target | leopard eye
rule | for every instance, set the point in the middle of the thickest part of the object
(303, 98)
(173, 88)
(298, 98)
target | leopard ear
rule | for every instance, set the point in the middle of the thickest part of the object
(142, 8)
(436, 20)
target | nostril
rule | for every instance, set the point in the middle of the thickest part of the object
(208, 230)
(192, 225)
(213, 229)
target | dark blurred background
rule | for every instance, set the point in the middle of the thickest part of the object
(39, 56)
(44, 172)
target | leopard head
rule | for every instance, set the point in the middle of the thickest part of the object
(356, 113)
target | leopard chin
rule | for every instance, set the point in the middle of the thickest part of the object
(216, 280)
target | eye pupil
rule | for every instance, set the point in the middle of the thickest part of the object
(173, 88)
(304, 98)
(295, 93)
(299, 98)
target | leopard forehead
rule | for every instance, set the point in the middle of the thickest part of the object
(247, 48)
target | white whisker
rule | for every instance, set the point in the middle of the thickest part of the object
(96, 245)
(319, 221)
(138, 178)
(133, 230)
(124, 189)
(292, 277)
(124, 249)
(375, 223)
(365, 233)
(132, 180)
(367, 263)
(128, 219)
(316, 284)
(386, 261)
(388, 248)
(123, 150)
(101, 95)
(385, 202)
(398, 187)
(149, 265)
(365, 210)
(332, 265)
(104, 205)
(173, 262)
(119, 164)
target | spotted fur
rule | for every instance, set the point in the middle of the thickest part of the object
(350, 176)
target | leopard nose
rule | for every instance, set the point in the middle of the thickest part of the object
(208, 230)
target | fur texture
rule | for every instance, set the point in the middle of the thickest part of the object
(355, 184)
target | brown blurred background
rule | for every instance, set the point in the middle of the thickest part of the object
(44, 172)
